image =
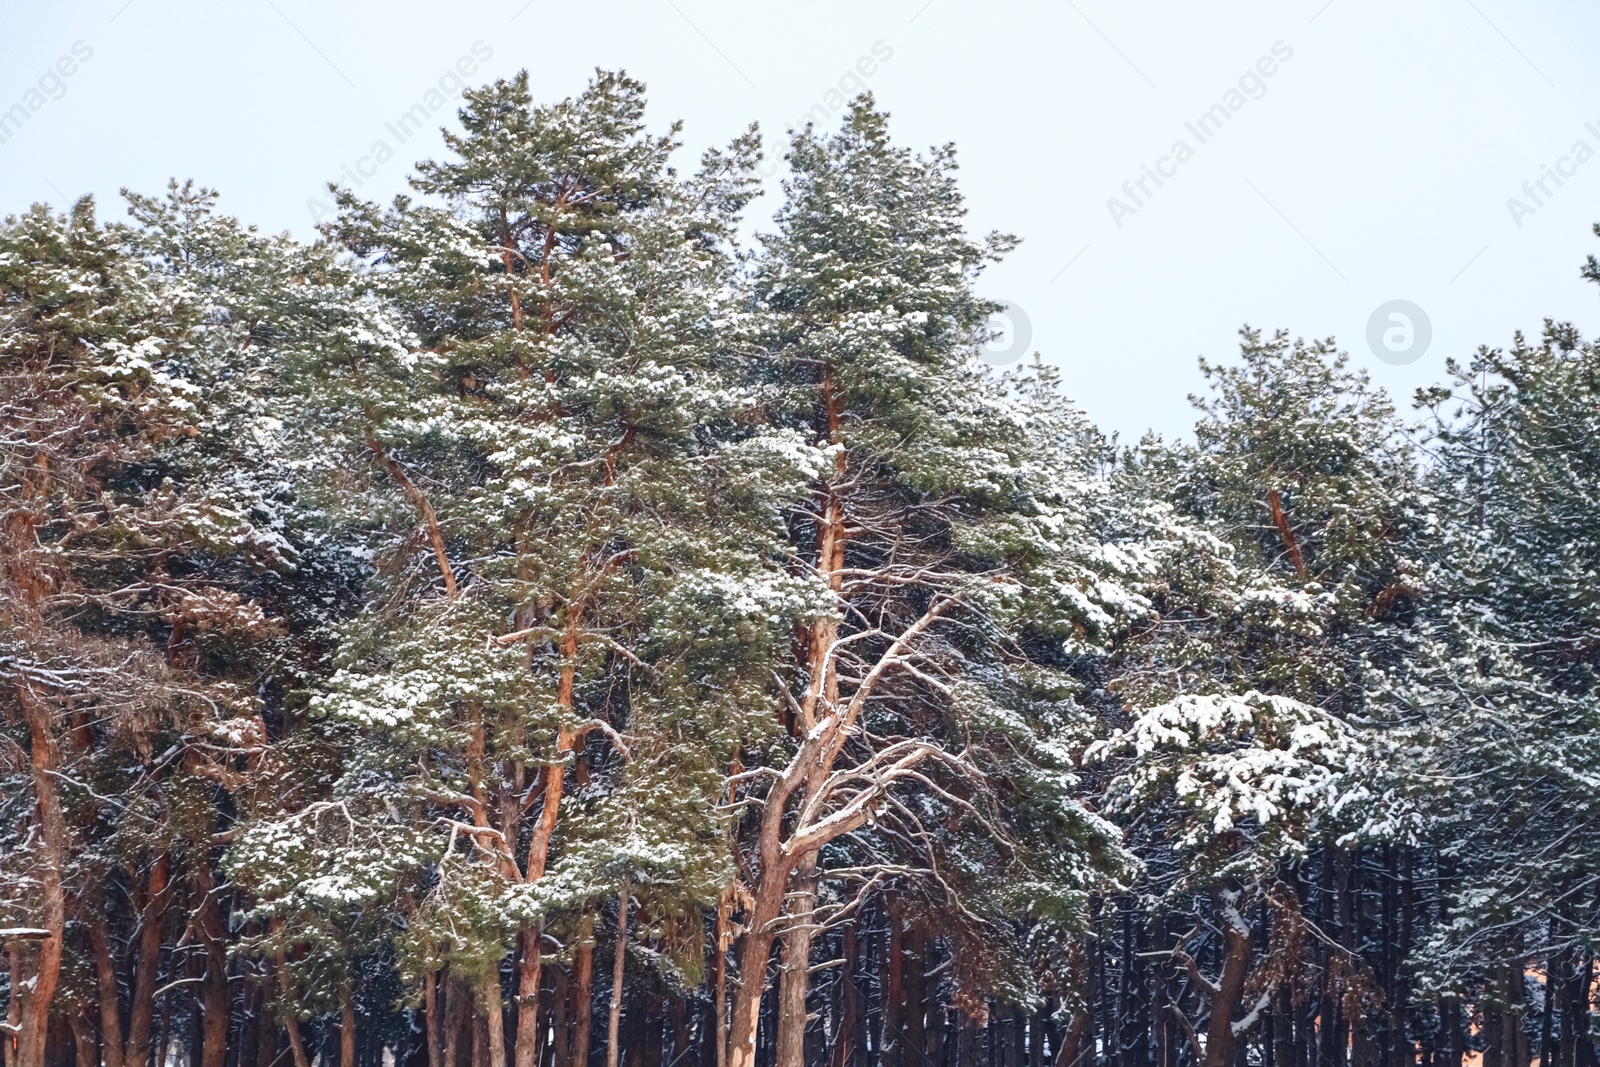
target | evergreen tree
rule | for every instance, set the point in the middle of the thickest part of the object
(537, 360)
(1497, 699)
(1288, 541)
(941, 537)
(147, 564)
(525, 571)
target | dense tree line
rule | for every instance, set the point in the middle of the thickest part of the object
(531, 627)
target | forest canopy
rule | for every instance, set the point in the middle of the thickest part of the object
(533, 625)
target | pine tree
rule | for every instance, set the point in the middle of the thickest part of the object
(1289, 532)
(1497, 700)
(143, 565)
(536, 364)
(938, 535)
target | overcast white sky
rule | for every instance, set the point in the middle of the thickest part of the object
(1374, 164)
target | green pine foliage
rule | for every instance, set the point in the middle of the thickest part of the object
(530, 599)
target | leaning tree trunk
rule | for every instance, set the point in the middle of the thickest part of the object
(753, 957)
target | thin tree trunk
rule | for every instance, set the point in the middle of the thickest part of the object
(214, 982)
(244, 1052)
(457, 1018)
(678, 1018)
(719, 984)
(266, 1026)
(892, 1044)
(583, 991)
(147, 961)
(850, 1006)
(291, 1025)
(347, 1024)
(494, 1016)
(34, 1018)
(613, 1023)
(108, 987)
(561, 1018)
(914, 977)
(8, 1043)
(165, 1041)
(430, 1018)
(1584, 1052)
(1286, 532)
(420, 502)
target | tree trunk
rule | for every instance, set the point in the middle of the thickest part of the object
(913, 976)
(614, 1022)
(297, 1046)
(33, 1020)
(678, 1017)
(8, 1042)
(1072, 1044)
(1235, 965)
(560, 1018)
(494, 1016)
(214, 982)
(794, 974)
(430, 1018)
(147, 961)
(719, 981)
(347, 1023)
(1584, 1054)
(891, 1044)
(754, 956)
(86, 1050)
(266, 1028)
(527, 1049)
(583, 991)
(850, 1006)
(108, 988)
(420, 501)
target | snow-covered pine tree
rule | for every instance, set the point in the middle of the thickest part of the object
(1291, 533)
(941, 532)
(146, 569)
(527, 380)
(1497, 705)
